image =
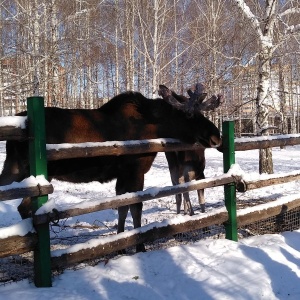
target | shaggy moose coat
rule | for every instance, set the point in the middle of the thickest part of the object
(128, 116)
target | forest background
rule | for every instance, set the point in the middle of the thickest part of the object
(80, 53)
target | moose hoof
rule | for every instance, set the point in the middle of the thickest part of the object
(202, 207)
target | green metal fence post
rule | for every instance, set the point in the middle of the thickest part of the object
(38, 166)
(229, 189)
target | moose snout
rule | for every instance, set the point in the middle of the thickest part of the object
(215, 141)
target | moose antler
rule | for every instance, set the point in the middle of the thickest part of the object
(199, 92)
(212, 103)
(167, 95)
(195, 103)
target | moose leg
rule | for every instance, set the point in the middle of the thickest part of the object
(16, 166)
(25, 209)
(178, 202)
(188, 205)
(173, 163)
(187, 177)
(122, 214)
(136, 213)
(201, 198)
(130, 181)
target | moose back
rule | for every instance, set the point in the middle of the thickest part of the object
(128, 116)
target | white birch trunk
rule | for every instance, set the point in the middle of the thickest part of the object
(54, 60)
(155, 49)
(265, 36)
(265, 55)
(117, 66)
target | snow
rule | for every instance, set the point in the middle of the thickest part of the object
(259, 267)
(27, 182)
(266, 138)
(109, 144)
(15, 121)
(20, 229)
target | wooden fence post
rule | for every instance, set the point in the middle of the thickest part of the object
(38, 166)
(229, 189)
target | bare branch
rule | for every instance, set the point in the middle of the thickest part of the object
(250, 16)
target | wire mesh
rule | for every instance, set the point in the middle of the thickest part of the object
(287, 221)
(19, 267)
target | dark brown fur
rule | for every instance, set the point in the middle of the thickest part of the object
(185, 166)
(128, 116)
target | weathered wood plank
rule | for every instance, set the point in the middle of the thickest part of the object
(33, 191)
(63, 151)
(125, 240)
(17, 244)
(271, 179)
(242, 144)
(264, 211)
(132, 198)
(12, 133)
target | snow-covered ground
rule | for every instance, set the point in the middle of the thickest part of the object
(261, 267)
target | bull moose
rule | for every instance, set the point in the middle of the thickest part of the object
(127, 116)
(185, 166)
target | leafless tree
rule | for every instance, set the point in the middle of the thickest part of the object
(269, 17)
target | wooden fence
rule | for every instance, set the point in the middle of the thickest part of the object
(39, 241)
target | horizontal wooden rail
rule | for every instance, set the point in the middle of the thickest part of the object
(12, 133)
(61, 258)
(267, 210)
(153, 231)
(13, 128)
(18, 238)
(29, 187)
(44, 216)
(15, 245)
(262, 142)
(272, 179)
(148, 233)
(63, 151)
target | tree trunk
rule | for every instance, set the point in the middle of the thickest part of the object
(265, 155)
(283, 97)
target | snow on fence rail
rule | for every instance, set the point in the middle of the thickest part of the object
(75, 254)
(13, 128)
(29, 187)
(61, 151)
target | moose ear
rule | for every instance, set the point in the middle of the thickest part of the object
(164, 91)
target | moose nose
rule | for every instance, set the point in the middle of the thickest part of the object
(215, 141)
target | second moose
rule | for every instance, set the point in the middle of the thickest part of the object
(185, 166)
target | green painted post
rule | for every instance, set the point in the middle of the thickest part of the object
(229, 189)
(38, 166)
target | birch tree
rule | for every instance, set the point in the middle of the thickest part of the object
(274, 13)
(160, 39)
